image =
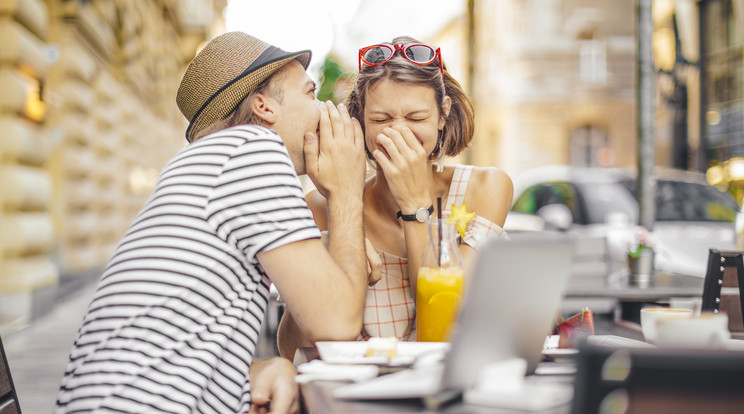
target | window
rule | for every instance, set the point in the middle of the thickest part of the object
(722, 44)
(589, 147)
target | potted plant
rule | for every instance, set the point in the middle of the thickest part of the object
(641, 255)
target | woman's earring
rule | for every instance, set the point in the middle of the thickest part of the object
(440, 161)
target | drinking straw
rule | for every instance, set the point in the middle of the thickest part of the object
(439, 224)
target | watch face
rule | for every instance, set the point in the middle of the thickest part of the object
(422, 214)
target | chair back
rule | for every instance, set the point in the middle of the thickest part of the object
(724, 282)
(658, 380)
(8, 397)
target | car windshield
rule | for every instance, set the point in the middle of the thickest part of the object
(603, 200)
(686, 201)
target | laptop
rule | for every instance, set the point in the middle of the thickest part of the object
(511, 299)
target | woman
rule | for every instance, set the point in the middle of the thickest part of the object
(414, 113)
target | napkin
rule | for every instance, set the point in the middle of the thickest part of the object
(615, 341)
(503, 384)
(319, 370)
(735, 344)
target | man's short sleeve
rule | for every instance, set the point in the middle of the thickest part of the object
(257, 203)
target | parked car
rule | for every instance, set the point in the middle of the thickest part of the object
(691, 215)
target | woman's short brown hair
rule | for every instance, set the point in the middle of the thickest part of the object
(459, 124)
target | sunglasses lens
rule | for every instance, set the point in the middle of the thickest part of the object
(420, 53)
(377, 54)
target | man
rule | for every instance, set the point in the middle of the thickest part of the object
(174, 323)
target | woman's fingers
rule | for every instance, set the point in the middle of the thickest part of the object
(391, 150)
(410, 139)
(402, 145)
(374, 263)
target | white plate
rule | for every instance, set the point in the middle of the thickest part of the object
(550, 348)
(352, 352)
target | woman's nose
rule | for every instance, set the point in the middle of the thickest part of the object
(398, 122)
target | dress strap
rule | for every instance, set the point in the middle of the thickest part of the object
(458, 186)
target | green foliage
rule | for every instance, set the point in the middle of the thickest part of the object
(329, 75)
(637, 252)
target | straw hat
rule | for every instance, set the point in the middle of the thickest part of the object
(224, 72)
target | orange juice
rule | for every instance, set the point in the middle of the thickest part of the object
(438, 296)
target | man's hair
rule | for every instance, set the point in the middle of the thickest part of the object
(243, 114)
(459, 124)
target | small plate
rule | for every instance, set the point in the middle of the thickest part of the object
(352, 352)
(550, 348)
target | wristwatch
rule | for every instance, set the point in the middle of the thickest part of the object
(420, 215)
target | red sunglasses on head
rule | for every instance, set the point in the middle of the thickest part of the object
(417, 53)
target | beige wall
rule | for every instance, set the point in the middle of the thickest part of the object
(88, 118)
(532, 89)
(26, 225)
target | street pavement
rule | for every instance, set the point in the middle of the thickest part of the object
(37, 354)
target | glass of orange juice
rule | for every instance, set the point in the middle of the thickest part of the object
(440, 284)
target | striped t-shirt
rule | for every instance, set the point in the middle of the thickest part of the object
(176, 317)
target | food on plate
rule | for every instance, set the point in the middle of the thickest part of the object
(385, 347)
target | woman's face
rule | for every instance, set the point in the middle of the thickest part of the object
(391, 104)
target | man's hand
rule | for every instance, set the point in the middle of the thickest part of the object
(335, 159)
(273, 387)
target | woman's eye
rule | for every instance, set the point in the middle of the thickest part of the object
(379, 121)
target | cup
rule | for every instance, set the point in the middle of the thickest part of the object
(709, 330)
(650, 316)
(694, 303)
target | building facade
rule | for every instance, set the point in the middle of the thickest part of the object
(87, 119)
(554, 83)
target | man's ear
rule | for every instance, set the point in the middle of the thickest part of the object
(265, 108)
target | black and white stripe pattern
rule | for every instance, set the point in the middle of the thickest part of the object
(177, 314)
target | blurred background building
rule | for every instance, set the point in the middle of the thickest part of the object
(87, 119)
(87, 113)
(555, 82)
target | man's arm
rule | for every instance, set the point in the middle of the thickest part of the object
(289, 337)
(325, 289)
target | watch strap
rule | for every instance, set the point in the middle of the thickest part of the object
(412, 217)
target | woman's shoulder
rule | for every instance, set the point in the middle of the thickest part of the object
(489, 193)
(315, 198)
(318, 205)
(491, 177)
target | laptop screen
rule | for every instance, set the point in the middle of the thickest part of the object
(511, 299)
